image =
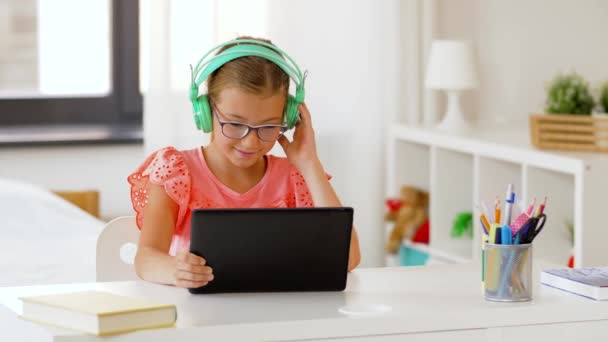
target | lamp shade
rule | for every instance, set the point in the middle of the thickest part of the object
(451, 65)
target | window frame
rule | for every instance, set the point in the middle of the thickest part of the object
(122, 107)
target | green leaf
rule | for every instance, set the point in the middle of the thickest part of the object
(569, 94)
(604, 97)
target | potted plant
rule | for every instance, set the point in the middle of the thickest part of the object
(568, 123)
(569, 94)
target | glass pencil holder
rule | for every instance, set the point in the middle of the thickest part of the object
(508, 272)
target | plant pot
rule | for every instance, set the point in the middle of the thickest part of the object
(569, 132)
(602, 129)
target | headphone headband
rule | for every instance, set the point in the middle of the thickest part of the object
(295, 74)
(243, 48)
(238, 51)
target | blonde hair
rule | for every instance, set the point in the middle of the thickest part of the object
(253, 74)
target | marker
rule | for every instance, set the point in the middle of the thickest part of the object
(498, 238)
(492, 237)
(509, 200)
(507, 235)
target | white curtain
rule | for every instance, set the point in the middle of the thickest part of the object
(352, 52)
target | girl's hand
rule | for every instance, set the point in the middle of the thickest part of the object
(191, 271)
(302, 151)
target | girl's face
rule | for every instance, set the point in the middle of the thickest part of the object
(237, 105)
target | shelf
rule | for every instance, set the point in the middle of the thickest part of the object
(460, 170)
(508, 143)
(435, 255)
(452, 192)
(555, 244)
(409, 164)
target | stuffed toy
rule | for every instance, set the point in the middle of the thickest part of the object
(409, 213)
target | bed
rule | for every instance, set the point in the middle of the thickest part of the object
(46, 237)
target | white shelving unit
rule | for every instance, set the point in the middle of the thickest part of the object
(459, 170)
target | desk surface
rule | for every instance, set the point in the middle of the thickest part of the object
(409, 299)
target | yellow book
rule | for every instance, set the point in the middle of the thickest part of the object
(98, 313)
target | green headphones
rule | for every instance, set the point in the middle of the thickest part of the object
(245, 47)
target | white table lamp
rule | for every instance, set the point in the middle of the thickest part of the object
(451, 67)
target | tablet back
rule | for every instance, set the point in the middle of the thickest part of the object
(267, 250)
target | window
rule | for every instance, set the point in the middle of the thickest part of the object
(69, 65)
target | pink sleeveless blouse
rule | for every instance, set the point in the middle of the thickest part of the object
(187, 180)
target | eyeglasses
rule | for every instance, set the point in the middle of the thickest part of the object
(238, 130)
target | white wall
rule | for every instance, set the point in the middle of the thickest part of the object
(522, 44)
(352, 52)
(103, 168)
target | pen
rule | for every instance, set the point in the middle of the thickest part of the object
(509, 200)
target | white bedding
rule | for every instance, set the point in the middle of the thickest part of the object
(43, 238)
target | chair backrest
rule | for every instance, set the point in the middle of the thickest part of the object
(116, 248)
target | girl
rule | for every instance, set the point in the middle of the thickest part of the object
(247, 97)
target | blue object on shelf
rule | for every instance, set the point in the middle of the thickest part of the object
(409, 256)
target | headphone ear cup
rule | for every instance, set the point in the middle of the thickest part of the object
(203, 118)
(196, 110)
(292, 116)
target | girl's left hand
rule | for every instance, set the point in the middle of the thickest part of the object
(302, 151)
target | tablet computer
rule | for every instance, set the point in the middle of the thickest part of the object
(273, 249)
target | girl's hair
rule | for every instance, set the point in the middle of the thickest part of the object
(253, 74)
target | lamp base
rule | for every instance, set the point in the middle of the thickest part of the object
(454, 123)
(454, 120)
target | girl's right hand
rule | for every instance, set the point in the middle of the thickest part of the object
(191, 271)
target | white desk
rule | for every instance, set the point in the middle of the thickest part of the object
(430, 303)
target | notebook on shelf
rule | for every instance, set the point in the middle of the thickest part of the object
(98, 313)
(591, 282)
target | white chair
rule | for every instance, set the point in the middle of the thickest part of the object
(116, 248)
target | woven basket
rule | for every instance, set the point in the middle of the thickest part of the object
(569, 132)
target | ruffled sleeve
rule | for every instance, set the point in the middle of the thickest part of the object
(167, 168)
(302, 197)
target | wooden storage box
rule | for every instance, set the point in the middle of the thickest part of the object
(569, 132)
